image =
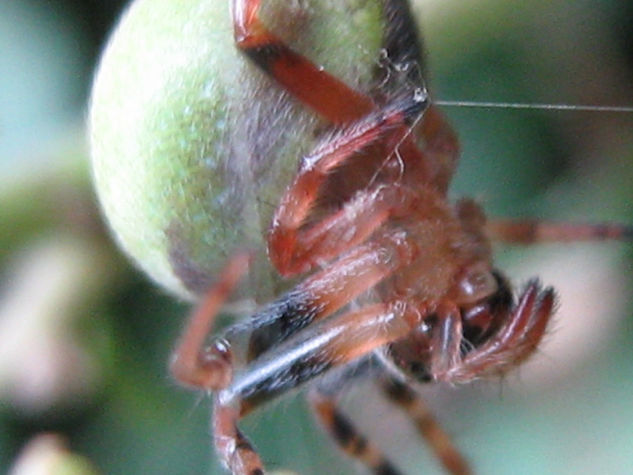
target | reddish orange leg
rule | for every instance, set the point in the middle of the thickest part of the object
(191, 363)
(313, 86)
(327, 291)
(346, 436)
(333, 99)
(531, 231)
(303, 353)
(330, 97)
(311, 352)
(438, 440)
(293, 249)
(320, 295)
(514, 341)
(210, 367)
(234, 449)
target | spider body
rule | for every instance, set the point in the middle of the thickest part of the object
(387, 269)
(367, 215)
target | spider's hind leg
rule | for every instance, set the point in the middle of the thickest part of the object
(345, 435)
(402, 395)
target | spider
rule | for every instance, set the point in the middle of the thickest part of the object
(397, 275)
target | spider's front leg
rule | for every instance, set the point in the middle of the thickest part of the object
(294, 248)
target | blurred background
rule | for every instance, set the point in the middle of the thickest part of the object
(84, 338)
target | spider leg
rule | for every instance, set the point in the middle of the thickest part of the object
(531, 231)
(274, 367)
(311, 352)
(345, 434)
(324, 93)
(293, 249)
(326, 345)
(295, 361)
(341, 104)
(440, 442)
(317, 297)
(235, 450)
(210, 369)
(326, 291)
(514, 341)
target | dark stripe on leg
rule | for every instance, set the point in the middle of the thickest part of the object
(280, 320)
(385, 469)
(402, 41)
(402, 395)
(347, 437)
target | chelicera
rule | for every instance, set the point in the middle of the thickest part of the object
(396, 274)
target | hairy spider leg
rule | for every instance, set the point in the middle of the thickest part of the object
(289, 364)
(533, 231)
(401, 394)
(317, 297)
(339, 103)
(332, 343)
(326, 345)
(345, 435)
(293, 249)
(326, 291)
